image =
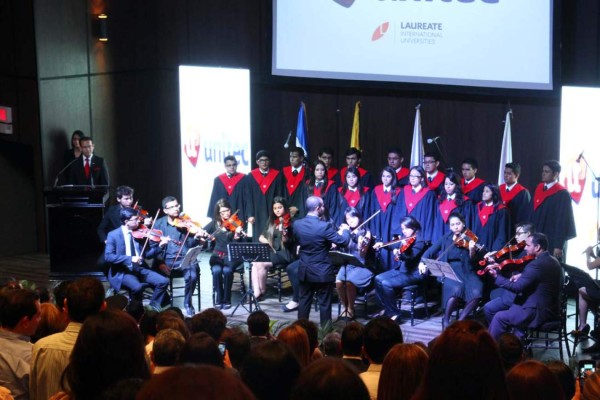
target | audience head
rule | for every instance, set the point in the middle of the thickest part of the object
(402, 371)
(211, 321)
(85, 297)
(19, 311)
(533, 380)
(60, 294)
(329, 378)
(270, 371)
(511, 350)
(109, 348)
(464, 363)
(312, 330)
(200, 348)
(168, 320)
(332, 345)
(258, 323)
(381, 334)
(565, 377)
(203, 381)
(148, 324)
(237, 344)
(296, 338)
(51, 322)
(591, 387)
(352, 339)
(167, 347)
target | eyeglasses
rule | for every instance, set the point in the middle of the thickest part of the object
(263, 160)
(429, 162)
(173, 206)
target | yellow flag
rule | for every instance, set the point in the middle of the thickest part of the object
(355, 137)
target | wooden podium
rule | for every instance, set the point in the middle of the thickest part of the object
(73, 214)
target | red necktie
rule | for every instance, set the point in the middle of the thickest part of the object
(86, 167)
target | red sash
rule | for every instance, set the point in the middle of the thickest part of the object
(384, 199)
(437, 181)
(230, 183)
(446, 208)
(291, 181)
(484, 212)
(321, 191)
(352, 198)
(331, 172)
(412, 199)
(507, 197)
(540, 195)
(402, 173)
(472, 185)
(361, 170)
(264, 182)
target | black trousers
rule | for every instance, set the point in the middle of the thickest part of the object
(324, 291)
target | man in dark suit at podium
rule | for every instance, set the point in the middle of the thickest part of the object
(315, 272)
(127, 266)
(88, 169)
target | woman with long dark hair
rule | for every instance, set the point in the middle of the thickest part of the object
(451, 199)
(351, 194)
(492, 219)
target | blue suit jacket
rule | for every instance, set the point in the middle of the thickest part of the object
(314, 238)
(115, 253)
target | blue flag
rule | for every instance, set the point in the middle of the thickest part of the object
(302, 130)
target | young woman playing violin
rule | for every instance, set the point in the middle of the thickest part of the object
(278, 235)
(407, 252)
(224, 232)
(457, 250)
(350, 277)
(383, 198)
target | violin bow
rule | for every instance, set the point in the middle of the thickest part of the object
(365, 221)
(152, 227)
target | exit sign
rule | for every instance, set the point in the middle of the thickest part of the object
(6, 115)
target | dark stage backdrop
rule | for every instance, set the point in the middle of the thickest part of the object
(124, 93)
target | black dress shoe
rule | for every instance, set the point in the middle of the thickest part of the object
(592, 349)
(285, 309)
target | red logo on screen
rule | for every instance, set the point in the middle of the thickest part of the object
(345, 3)
(3, 115)
(380, 31)
(191, 150)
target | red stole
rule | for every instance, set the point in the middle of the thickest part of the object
(540, 195)
(264, 182)
(412, 199)
(291, 181)
(446, 207)
(230, 183)
(437, 181)
(322, 190)
(352, 198)
(384, 199)
(331, 172)
(361, 170)
(507, 197)
(472, 185)
(402, 173)
(484, 212)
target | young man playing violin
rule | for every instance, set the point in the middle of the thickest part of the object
(126, 257)
(173, 251)
(501, 298)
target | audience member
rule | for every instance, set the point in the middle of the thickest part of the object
(258, 327)
(381, 334)
(19, 319)
(402, 371)
(270, 371)
(332, 345)
(312, 330)
(43, 293)
(60, 295)
(167, 347)
(296, 338)
(125, 389)
(591, 387)
(51, 322)
(237, 345)
(352, 343)
(331, 379)
(511, 350)
(109, 348)
(83, 298)
(533, 380)
(201, 349)
(202, 382)
(565, 377)
(464, 363)
(211, 321)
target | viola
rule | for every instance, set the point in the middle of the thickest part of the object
(504, 251)
(399, 240)
(143, 214)
(465, 237)
(519, 263)
(155, 235)
(407, 244)
(185, 221)
(232, 223)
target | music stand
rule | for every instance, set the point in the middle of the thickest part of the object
(440, 269)
(248, 253)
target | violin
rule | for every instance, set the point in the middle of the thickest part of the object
(154, 235)
(283, 223)
(407, 244)
(143, 214)
(233, 223)
(185, 221)
(465, 237)
(504, 251)
(399, 240)
(520, 263)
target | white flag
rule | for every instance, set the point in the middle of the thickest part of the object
(506, 155)
(417, 152)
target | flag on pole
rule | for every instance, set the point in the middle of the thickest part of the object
(302, 130)
(417, 151)
(355, 137)
(506, 154)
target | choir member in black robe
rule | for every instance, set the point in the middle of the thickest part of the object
(418, 201)
(472, 186)
(321, 186)
(383, 198)
(435, 177)
(515, 196)
(552, 210)
(351, 194)
(492, 220)
(326, 156)
(229, 186)
(395, 158)
(353, 158)
(293, 177)
(263, 185)
(452, 199)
